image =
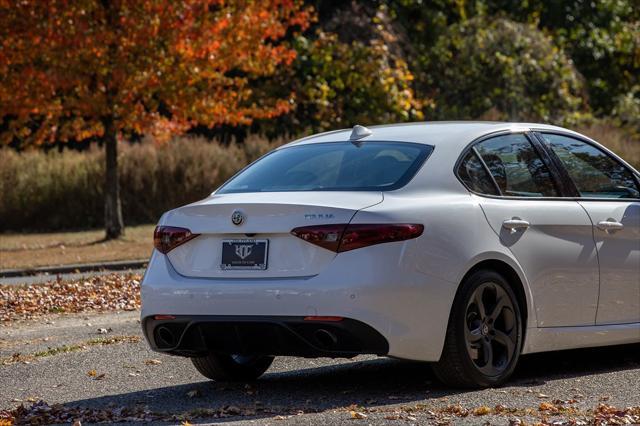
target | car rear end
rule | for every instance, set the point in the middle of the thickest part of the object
(282, 261)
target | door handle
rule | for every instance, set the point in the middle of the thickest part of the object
(514, 224)
(610, 225)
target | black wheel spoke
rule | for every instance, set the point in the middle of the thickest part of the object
(505, 340)
(497, 309)
(480, 304)
(487, 354)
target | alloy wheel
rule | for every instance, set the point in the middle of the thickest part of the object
(491, 329)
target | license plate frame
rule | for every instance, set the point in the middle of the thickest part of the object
(241, 254)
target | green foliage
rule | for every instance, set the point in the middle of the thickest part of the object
(602, 38)
(508, 68)
(339, 84)
(48, 191)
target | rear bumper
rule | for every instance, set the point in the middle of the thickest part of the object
(407, 307)
(198, 335)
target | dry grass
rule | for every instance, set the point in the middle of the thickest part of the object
(623, 142)
(62, 248)
(51, 191)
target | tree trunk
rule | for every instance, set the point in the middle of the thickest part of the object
(113, 223)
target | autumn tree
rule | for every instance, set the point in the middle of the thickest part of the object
(73, 70)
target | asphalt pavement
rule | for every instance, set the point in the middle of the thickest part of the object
(71, 369)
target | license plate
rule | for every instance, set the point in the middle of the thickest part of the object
(244, 254)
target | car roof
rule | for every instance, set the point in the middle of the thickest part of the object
(449, 134)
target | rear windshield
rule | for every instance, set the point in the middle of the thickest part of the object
(334, 166)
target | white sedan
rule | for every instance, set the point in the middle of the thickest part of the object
(464, 244)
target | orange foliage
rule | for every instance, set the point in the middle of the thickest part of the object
(151, 66)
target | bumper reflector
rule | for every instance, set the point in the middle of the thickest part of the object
(327, 319)
(164, 317)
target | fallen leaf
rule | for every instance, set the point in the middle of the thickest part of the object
(357, 415)
(113, 292)
(153, 362)
(481, 411)
(546, 406)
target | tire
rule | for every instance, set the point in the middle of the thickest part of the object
(232, 368)
(484, 334)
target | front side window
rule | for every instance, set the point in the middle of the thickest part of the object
(516, 167)
(332, 166)
(594, 172)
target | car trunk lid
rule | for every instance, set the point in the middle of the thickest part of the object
(266, 217)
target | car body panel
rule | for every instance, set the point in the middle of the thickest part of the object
(547, 339)
(557, 253)
(619, 258)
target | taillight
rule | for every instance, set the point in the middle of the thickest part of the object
(343, 237)
(357, 236)
(166, 238)
(325, 236)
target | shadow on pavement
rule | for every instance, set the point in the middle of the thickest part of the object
(548, 366)
(370, 382)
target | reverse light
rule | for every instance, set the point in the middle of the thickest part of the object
(345, 237)
(166, 238)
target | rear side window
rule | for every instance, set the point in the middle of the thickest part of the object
(475, 176)
(594, 172)
(516, 167)
(334, 166)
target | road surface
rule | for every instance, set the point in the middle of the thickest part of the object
(71, 368)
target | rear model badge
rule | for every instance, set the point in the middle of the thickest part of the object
(237, 217)
(318, 216)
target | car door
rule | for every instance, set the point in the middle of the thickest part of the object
(550, 237)
(610, 194)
